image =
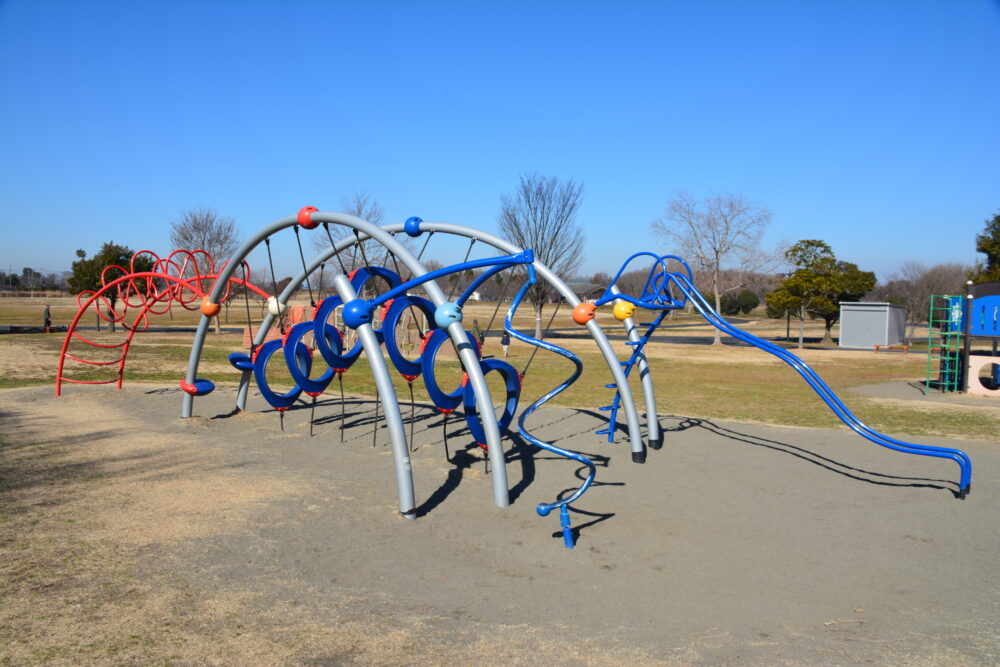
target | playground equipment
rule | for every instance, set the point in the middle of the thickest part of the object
(945, 340)
(376, 318)
(357, 314)
(954, 324)
(665, 290)
(175, 279)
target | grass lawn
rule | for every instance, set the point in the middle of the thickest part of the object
(727, 382)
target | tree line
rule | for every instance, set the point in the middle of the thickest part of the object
(720, 235)
(30, 279)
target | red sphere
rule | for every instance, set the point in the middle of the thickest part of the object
(305, 217)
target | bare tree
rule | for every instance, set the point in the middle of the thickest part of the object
(541, 215)
(723, 229)
(360, 204)
(914, 285)
(204, 229)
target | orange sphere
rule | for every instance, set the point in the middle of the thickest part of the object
(584, 313)
(623, 310)
(210, 309)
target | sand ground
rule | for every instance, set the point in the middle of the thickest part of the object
(139, 537)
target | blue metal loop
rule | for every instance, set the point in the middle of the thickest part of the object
(390, 322)
(313, 387)
(656, 293)
(362, 275)
(333, 355)
(512, 383)
(428, 357)
(264, 354)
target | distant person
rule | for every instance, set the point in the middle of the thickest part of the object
(478, 333)
(47, 318)
(505, 342)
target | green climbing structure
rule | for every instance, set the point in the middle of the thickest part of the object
(946, 332)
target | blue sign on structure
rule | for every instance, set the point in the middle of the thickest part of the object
(985, 316)
(956, 314)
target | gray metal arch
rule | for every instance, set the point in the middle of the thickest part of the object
(383, 382)
(614, 365)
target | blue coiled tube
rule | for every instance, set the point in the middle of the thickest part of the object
(545, 508)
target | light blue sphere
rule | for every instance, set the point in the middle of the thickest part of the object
(447, 313)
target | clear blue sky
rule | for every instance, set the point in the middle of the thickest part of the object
(872, 125)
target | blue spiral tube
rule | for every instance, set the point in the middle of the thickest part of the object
(544, 509)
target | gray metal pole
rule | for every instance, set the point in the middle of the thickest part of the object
(217, 291)
(653, 435)
(387, 394)
(501, 492)
(628, 402)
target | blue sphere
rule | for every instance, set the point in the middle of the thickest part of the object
(412, 226)
(447, 313)
(356, 313)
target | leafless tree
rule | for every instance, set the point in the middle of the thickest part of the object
(719, 231)
(914, 285)
(541, 215)
(203, 228)
(360, 204)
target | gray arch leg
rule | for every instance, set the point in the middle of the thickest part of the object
(653, 435)
(387, 393)
(243, 390)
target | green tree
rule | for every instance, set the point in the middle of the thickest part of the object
(86, 274)
(775, 308)
(747, 300)
(730, 304)
(988, 243)
(819, 284)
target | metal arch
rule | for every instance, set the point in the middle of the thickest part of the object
(653, 431)
(404, 474)
(628, 403)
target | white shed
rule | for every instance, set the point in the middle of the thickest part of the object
(865, 324)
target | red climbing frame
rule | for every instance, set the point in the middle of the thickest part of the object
(151, 292)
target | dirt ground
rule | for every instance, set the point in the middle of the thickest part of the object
(130, 536)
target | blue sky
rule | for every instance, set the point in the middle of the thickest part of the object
(872, 125)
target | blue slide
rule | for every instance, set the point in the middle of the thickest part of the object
(809, 375)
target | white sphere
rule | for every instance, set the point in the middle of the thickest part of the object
(276, 308)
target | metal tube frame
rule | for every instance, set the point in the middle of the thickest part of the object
(614, 365)
(501, 493)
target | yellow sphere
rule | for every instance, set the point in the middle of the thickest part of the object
(623, 310)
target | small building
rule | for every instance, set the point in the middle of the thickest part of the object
(865, 324)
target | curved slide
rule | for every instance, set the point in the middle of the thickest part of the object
(820, 387)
